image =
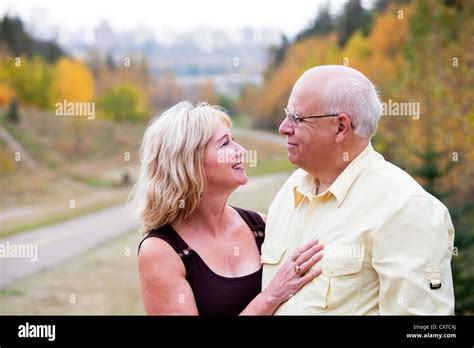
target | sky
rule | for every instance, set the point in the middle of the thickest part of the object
(287, 16)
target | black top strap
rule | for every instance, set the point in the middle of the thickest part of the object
(169, 235)
(254, 221)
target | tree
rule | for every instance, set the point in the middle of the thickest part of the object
(19, 42)
(430, 171)
(72, 81)
(30, 79)
(227, 103)
(122, 103)
(7, 94)
(277, 54)
(322, 25)
(352, 18)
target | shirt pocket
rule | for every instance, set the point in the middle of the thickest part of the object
(272, 252)
(336, 290)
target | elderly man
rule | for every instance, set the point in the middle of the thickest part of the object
(388, 242)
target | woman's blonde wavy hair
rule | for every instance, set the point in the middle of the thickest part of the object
(171, 178)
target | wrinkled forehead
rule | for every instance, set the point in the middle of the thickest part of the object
(305, 99)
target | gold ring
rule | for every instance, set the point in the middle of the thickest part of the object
(297, 269)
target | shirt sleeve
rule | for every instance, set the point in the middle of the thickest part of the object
(411, 254)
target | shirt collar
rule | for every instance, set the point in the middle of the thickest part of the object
(306, 188)
(340, 187)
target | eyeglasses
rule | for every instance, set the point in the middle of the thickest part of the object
(296, 120)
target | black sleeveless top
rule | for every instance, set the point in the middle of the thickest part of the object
(216, 294)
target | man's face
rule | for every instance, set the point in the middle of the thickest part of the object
(310, 144)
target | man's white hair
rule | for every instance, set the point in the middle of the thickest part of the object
(356, 98)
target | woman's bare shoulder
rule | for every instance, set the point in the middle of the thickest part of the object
(154, 252)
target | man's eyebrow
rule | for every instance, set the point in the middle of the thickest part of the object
(291, 110)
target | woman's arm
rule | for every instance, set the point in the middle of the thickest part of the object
(164, 288)
(287, 282)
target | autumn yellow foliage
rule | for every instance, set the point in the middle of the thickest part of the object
(72, 82)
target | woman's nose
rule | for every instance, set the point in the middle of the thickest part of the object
(240, 149)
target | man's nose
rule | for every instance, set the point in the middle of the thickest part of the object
(285, 127)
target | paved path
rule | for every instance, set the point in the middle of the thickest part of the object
(59, 242)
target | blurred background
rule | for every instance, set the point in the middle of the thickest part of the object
(79, 81)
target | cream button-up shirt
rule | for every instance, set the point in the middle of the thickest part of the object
(388, 243)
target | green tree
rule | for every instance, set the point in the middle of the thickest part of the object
(19, 42)
(353, 17)
(30, 79)
(122, 103)
(227, 103)
(277, 54)
(322, 25)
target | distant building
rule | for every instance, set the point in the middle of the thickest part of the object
(104, 36)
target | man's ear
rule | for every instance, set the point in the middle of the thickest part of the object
(343, 127)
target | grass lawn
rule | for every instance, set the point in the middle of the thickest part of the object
(102, 281)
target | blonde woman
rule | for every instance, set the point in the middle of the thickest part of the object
(201, 256)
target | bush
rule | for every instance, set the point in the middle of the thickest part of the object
(12, 114)
(122, 103)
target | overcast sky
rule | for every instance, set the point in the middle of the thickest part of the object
(288, 16)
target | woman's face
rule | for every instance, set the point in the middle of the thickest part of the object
(223, 161)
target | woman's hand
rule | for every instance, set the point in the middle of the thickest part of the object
(295, 273)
